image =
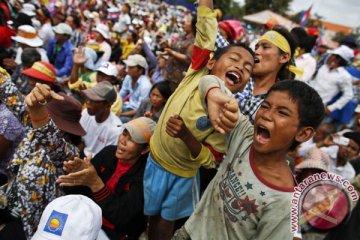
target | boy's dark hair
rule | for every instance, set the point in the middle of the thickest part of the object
(310, 105)
(355, 136)
(221, 51)
(163, 87)
(29, 56)
(284, 72)
(193, 23)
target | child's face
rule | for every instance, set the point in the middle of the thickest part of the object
(234, 67)
(277, 124)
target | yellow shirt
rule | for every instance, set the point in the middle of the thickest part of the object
(171, 153)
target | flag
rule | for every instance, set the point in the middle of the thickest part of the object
(305, 17)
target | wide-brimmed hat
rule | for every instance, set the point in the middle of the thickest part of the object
(314, 159)
(63, 28)
(43, 71)
(66, 114)
(102, 91)
(140, 129)
(136, 60)
(27, 35)
(70, 217)
(103, 30)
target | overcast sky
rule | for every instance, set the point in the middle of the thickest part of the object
(345, 12)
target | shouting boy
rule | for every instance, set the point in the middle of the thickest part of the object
(250, 197)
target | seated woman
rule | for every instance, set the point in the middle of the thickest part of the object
(52, 134)
(153, 106)
(115, 178)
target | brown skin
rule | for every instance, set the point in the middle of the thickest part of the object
(236, 59)
(40, 93)
(270, 62)
(99, 109)
(279, 114)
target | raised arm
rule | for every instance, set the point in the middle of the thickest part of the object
(206, 3)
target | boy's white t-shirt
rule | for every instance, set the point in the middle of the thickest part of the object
(99, 135)
(238, 203)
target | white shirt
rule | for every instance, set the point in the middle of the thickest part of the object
(347, 171)
(46, 32)
(42, 52)
(329, 83)
(307, 63)
(99, 135)
(106, 48)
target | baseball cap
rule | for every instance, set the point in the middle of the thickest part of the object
(66, 114)
(108, 69)
(315, 158)
(70, 217)
(140, 129)
(102, 91)
(136, 60)
(344, 52)
(43, 71)
(27, 35)
(63, 28)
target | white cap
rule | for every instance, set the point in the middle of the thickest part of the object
(103, 30)
(136, 60)
(344, 52)
(28, 9)
(108, 69)
(27, 35)
(63, 28)
(68, 218)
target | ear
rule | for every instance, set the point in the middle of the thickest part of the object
(145, 150)
(304, 134)
(284, 57)
(210, 64)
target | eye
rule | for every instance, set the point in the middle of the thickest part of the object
(264, 106)
(284, 113)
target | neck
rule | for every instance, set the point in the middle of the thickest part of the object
(340, 162)
(262, 84)
(101, 118)
(134, 79)
(270, 160)
(130, 161)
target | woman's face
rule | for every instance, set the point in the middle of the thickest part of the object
(187, 25)
(127, 150)
(156, 99)
(268, 58)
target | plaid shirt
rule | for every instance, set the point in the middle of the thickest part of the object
(220, 42)
(248, 103)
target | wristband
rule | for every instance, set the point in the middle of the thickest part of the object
(39, 119)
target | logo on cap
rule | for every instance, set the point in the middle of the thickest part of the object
(56, 223)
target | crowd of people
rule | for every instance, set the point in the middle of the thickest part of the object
(143, 120)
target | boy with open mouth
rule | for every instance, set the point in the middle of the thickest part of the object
(250, 197)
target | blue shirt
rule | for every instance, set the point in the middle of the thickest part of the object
(63, 60)
(138, 93)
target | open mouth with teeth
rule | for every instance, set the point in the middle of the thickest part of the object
(262, 134)
(256, 60)
(233, 77)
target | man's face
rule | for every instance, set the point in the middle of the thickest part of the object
(234, 67)
(96, 107)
